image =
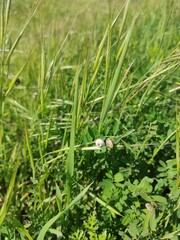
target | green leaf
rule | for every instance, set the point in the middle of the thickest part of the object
(116, 128)
(133, 230)
(70, 158)
(145, 196)
(21, 228)
(7, 199)
(104, 204)
(22, 31)
(108, 100)
(55, 218)
(118, 177)
(159, 199)
(58, 198)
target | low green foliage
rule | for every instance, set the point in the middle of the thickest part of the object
(72, 72)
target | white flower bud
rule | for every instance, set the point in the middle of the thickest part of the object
(99, 142)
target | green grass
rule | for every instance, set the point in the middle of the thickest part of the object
(72, 72)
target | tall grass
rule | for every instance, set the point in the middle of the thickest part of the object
(70, 157)
(108, 71)
(15, 161)
(114, 84)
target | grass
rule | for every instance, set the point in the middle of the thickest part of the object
(72, 73)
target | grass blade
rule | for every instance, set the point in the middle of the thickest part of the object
(104, 204)
(178, 143)
(9, 193)
(30, 152)
(70, 159)
(59, 198)
(100, 55)
(162, 144)
(101, 45)
(21, 229)
(110, 94)
(2, 21)
(22, 32)
(123, 25)
(5, 12)
(13, 81)
(55, 218)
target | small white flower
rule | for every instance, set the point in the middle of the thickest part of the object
(99, 142)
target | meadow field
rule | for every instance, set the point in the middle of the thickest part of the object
(90, 120)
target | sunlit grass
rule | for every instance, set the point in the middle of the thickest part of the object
(74, 72)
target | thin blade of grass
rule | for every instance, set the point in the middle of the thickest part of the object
(55, 218)
(146, 82)
(111, 91)
(124, 18)
(122, 26)
(145, 230)
(152, 85)
(70, 158)
(108, 59)
(123, 79)
(171, 235)
(30, 152)
(13, 81)
(2, 21)
(54, 65)
(42, 74)
(100, 56)
(21, 229)
(22, 31)
(82, 91)
(59, 198)
(101, 45)
(91, 81)
(5, 12)
(178, 142)
(18, 106)
(104, 204)
(162, 144)
(9, 193)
